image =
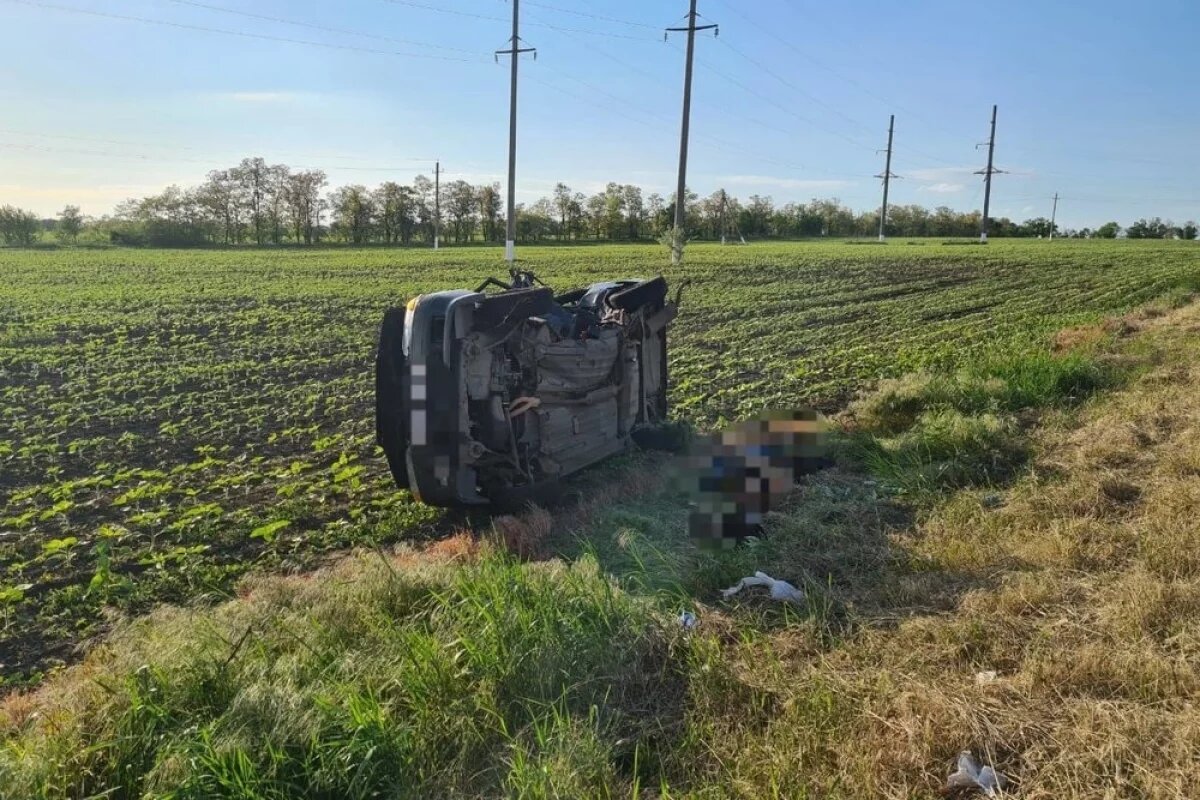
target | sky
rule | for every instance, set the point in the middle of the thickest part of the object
(1096, 99)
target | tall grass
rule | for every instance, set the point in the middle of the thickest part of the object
(364, 682)
(930, 431)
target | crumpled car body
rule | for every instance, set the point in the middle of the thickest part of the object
(483, 398)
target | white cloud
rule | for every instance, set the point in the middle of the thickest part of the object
(942, 188)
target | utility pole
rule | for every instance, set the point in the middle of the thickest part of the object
(437, 202)
(1053, 214)
(987, 179)
(887, 176)
(681, 190)
(722, 216)
(514, 52)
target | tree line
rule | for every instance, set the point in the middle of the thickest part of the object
(271, 204)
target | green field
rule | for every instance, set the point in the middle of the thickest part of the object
(171, 418)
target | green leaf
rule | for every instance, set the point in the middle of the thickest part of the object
(14, 594)
(58, 545)
(267, 532)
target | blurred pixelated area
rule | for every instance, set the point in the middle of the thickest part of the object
(738, 475)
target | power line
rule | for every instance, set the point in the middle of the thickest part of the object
(767, 99)
(599, 17)
(713, 141)
(472, 15)
(186, 159)
(313, 26)
(717, 143)
(161, 146)
(243, 34)
(791, 85)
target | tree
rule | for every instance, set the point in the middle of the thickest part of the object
(277, 198)
(562, 202)
(352, 213)
(460, 209)
(394, 204)
(1108, 230)
(1187, 230)
(1038, 226)
(489, 211)
(613, 210)
(1148, 229)
(304, 202)
(70, 223)
(260, 184)
(18, 226)
(423, 193)
(635, 210)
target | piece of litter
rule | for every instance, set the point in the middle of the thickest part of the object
(687, 620)
(986, 677)
(970, 775)
(780, 590)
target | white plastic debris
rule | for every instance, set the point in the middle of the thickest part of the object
(986, 677)
(970, 775)
(780, 590)
(688, 620)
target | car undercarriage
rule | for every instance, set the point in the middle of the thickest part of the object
(488, 398)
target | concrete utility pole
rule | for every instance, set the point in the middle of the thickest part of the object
(437, 202)
(722, 216)
(1053, 214)
(887, 176)
(514, 52)
(681, 191)
(987, 178)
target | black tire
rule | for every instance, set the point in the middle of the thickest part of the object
(391, 379)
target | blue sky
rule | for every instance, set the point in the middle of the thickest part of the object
(1097, 99)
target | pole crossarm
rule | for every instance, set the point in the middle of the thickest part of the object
(696, 29)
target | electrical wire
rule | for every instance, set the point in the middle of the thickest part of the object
(599, 17)
(472, 15)
(159, 145)
(313, 26)
(243, 34)
(167, 159)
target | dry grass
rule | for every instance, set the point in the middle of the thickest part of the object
(1050, 625)
(1080, 588)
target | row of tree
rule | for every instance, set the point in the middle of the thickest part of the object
(260, 203)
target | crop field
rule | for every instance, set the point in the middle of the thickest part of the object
(170, 419)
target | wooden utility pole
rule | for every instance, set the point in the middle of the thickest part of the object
(514, 52)
(987, 179)
(681, 188)
(1053, 215)
(887, 176)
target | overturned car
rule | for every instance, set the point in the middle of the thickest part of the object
(492, 397)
